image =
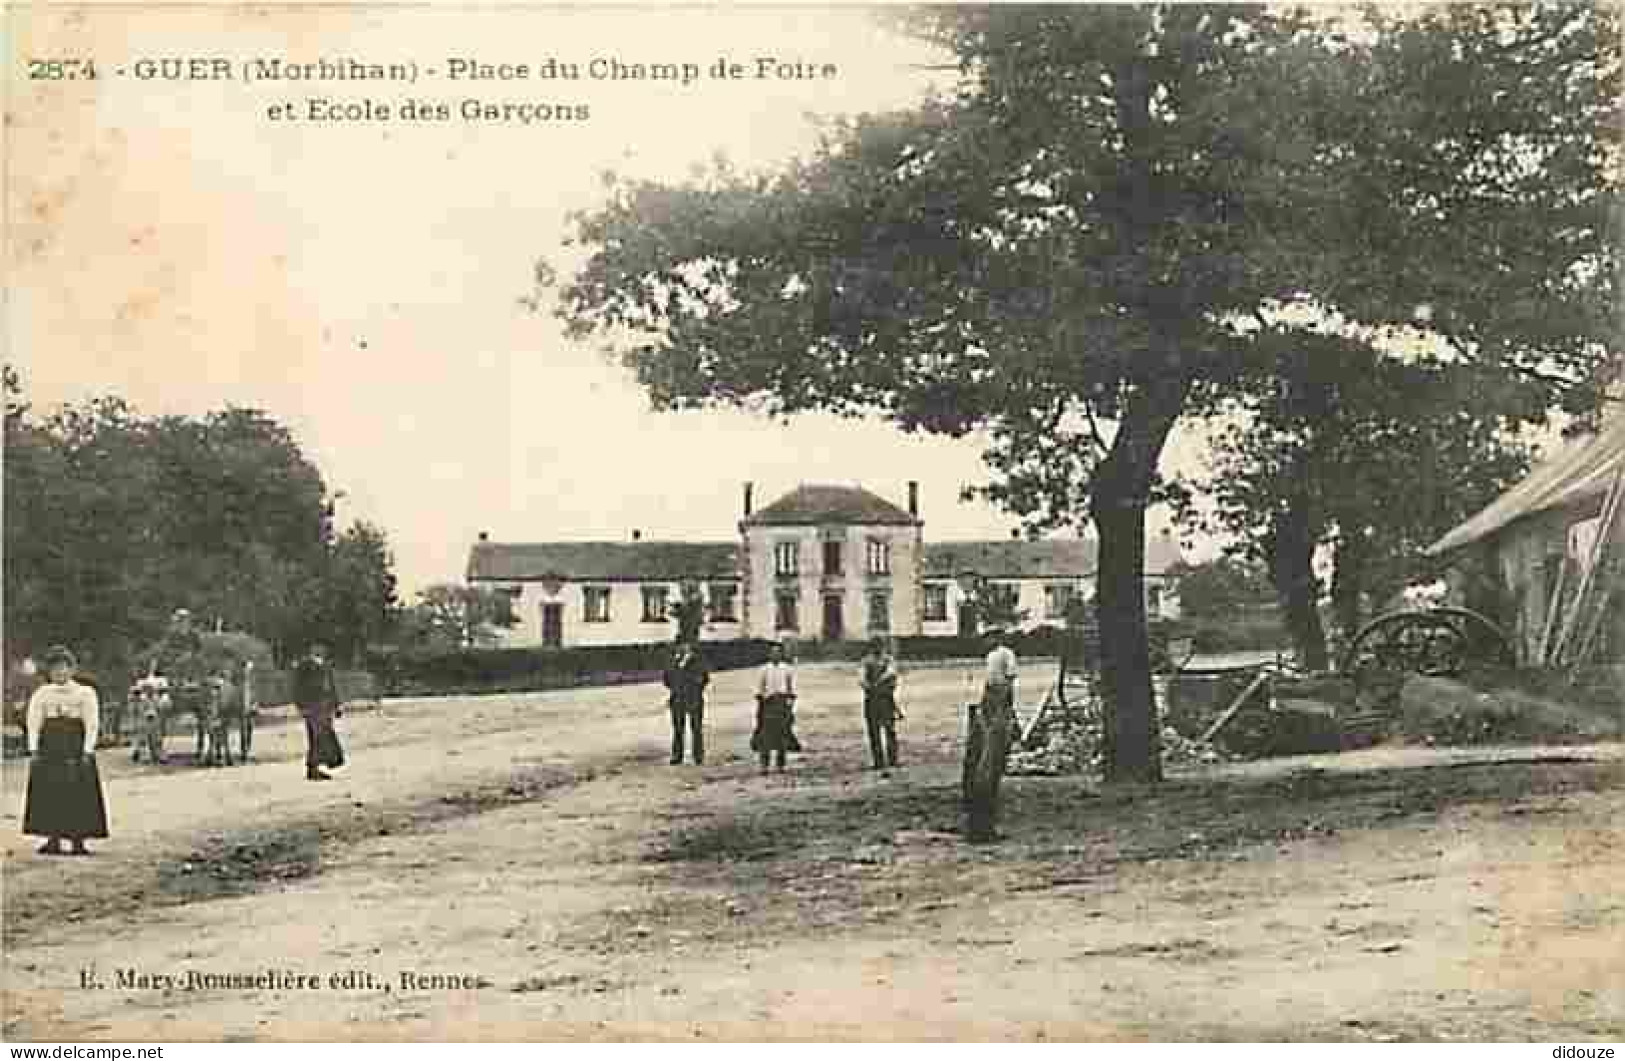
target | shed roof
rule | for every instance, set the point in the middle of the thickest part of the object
(1575, 474)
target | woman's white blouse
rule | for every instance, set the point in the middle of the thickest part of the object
(777, 680)
(64, 701)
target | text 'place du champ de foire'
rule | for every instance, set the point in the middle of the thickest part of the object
(679, 72)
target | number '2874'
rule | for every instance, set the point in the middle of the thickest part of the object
(61, 70)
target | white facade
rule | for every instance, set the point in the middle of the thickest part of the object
(606, 612)
(820, 563)
(831, 582)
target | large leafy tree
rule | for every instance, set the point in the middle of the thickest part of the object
(357, 594)
(114, 519)
(1370, 456)
(1103, 230)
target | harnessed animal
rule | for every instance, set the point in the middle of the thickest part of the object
(196, 698)
(228, 706)
(150, 700)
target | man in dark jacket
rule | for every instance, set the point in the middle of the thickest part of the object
(880, 714)
(686, 678)
(315, 691)
(178, 656)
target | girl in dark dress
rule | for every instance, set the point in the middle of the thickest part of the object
(64, 799)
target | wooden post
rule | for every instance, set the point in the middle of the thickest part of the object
(1583, 594)
(1235, 706)
(1554, 608)
(1589, 623)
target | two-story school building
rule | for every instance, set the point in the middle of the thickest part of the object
(822, 562)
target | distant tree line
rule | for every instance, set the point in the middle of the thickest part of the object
(115, 519)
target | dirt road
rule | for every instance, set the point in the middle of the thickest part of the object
(530, 867)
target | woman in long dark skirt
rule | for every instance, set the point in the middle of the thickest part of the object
(775, 711)
(64, 789)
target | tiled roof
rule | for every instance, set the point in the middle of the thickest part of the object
(1047, 558)
(1052, 558)
(812, 504)
(644, 561)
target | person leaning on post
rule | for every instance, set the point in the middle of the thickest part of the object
(64, 800)
(992, 727)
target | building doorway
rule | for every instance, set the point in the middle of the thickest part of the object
(834, 621)
(552, 626)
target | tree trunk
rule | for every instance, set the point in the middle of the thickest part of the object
(1292, 567)
(1132, 749)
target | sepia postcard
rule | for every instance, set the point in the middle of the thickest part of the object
(661, 522)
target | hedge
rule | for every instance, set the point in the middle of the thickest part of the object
(511, 670)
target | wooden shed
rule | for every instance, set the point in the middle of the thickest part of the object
(1549, 554)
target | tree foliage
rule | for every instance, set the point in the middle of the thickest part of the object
(1223, 588)
(449, 615)
(1370, 456)
(113, 520)
(1107, 227)
(356, 596)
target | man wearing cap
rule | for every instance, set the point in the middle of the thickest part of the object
(992, 726)
(880, 714)
(315, 691)
(686, 678)
(179, 655)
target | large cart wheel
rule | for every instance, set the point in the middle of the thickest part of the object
(1433, 641)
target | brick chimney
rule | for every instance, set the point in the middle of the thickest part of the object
(637, 535)
(485, 536)
(914, 498)
(748, 488)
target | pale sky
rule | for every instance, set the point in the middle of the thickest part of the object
(361, 282)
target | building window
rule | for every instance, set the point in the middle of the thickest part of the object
(1056, 600)
(786, 611)
(724, 602)
(654, 604)
(596, 600)
(879, 612)
(832, 558)
(936, 602)
(879, 558)
(505, 603)
(786, 558)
